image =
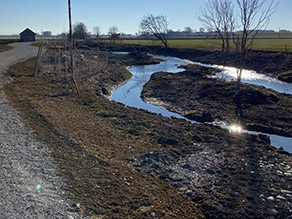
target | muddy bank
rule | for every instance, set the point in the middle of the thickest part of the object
(275, 63)
(122, 162)
(197, 96)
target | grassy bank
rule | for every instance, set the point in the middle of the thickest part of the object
(276, 45)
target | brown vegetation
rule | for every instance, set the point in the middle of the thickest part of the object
(99, 147)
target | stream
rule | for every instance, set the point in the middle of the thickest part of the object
(129, 93)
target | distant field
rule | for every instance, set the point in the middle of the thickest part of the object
(267, 42)
(278, 45)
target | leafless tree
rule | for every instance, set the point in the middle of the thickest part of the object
(96, 31)
(218, 16)
(80, 31)
(188, 30)
(254, 16)
(114, 33)
(155, 25)
(113, 30)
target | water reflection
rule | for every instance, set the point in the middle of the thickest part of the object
(251, 77)
(129, 93)
(235, 128)
(120, 53)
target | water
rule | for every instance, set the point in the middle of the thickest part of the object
(251, 77)
(120, 53)
(129, 93)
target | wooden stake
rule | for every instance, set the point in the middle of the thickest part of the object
(36, 67)
(59, 60)
(71, 49)
(55, 58)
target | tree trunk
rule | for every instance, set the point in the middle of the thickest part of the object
(165, 43)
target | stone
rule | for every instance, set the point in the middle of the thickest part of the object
(286, 191)
(271, 198)
(281, 197)
(272, 212)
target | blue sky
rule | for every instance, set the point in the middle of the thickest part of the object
(15, 15)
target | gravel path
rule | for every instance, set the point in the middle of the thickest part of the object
(29, 184)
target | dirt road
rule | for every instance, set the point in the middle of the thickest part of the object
(30, 186)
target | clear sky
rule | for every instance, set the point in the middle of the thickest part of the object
(16, 15)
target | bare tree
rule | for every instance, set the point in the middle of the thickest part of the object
(96, 31)
(188, 30)
(114, 33)
(218, 16)
(155, 25)
(254, 16)
(80, 31)
(113, 30)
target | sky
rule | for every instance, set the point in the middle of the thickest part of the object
(52, 15)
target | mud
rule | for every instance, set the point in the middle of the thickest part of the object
(197, 96)
(120, 162)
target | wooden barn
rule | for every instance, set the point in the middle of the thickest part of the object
(27, 35)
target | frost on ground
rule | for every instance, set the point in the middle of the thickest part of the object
(30, 186)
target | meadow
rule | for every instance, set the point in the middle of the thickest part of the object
(277, 42)
(276, 45)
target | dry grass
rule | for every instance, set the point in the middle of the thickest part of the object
(4, 48)
(93, 150)
(278, 45)
(93, 140)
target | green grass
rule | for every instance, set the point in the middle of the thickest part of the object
(277, 45)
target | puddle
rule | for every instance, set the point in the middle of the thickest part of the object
(120, 53)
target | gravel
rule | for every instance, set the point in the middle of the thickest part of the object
(30, 185)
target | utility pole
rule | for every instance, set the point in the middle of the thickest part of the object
(71, 49)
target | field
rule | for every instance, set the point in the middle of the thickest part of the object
(277, 42)
(277, 45)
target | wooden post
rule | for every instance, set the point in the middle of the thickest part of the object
(65, 62)
(55, 57)
(286, 49)
(36, 66)
(71, 49)
(59, 60)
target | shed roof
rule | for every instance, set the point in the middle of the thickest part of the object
(27, 31)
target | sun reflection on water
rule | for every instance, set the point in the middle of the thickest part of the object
(235, 128)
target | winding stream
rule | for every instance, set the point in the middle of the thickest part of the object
(129, 93)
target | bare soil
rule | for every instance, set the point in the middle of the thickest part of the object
(122, 162)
